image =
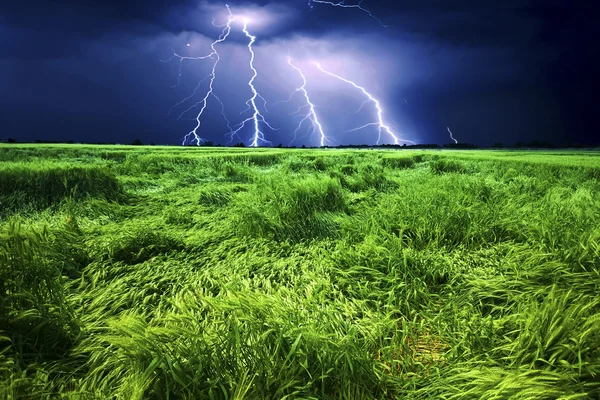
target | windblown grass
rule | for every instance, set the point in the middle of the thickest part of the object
(272, 274)
(39, 185)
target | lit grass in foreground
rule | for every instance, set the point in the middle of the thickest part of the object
(154, 273)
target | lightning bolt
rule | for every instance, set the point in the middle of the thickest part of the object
(381, 125)
(193, 134)
(188, 98)
(311, 115)
(181, 60)
(257, 117)
(451, 137)
(223, 113)
(342, 4)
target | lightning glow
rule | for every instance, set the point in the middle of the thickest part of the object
(257, 117)
(311, 115)
(342, 4)
(381, 125)
(451, 137)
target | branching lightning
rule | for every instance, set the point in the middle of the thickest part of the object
(257, 120)
(451, 137)
(193, 134)
(381, 125)
(311, 115)
(181, 59)
(342, 4)
(257, 117)
(188, 98)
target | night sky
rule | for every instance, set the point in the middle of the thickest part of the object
(493, 71)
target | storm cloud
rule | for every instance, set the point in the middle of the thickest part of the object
(94, 70)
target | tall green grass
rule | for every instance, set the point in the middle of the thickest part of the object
(320, 274)
(285, 210)
(37, 321)
(42, 184)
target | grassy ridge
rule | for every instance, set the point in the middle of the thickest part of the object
(41, 184)
(193, 273)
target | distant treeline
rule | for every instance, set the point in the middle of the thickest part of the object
(535, 144)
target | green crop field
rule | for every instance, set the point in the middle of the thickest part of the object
(212, 273)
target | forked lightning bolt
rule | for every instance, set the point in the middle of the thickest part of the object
(342, 4)
(311, 115)
(214, 54)
(451, 137)
(257, 117)
(381, 125)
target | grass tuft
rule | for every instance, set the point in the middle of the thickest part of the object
(40, 185)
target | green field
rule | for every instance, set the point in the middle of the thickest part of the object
(193, 273)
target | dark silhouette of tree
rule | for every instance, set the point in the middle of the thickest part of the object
(137, 142)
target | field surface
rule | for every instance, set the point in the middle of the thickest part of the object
(208, 273)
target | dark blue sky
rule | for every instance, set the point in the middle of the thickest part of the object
(493, 71)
